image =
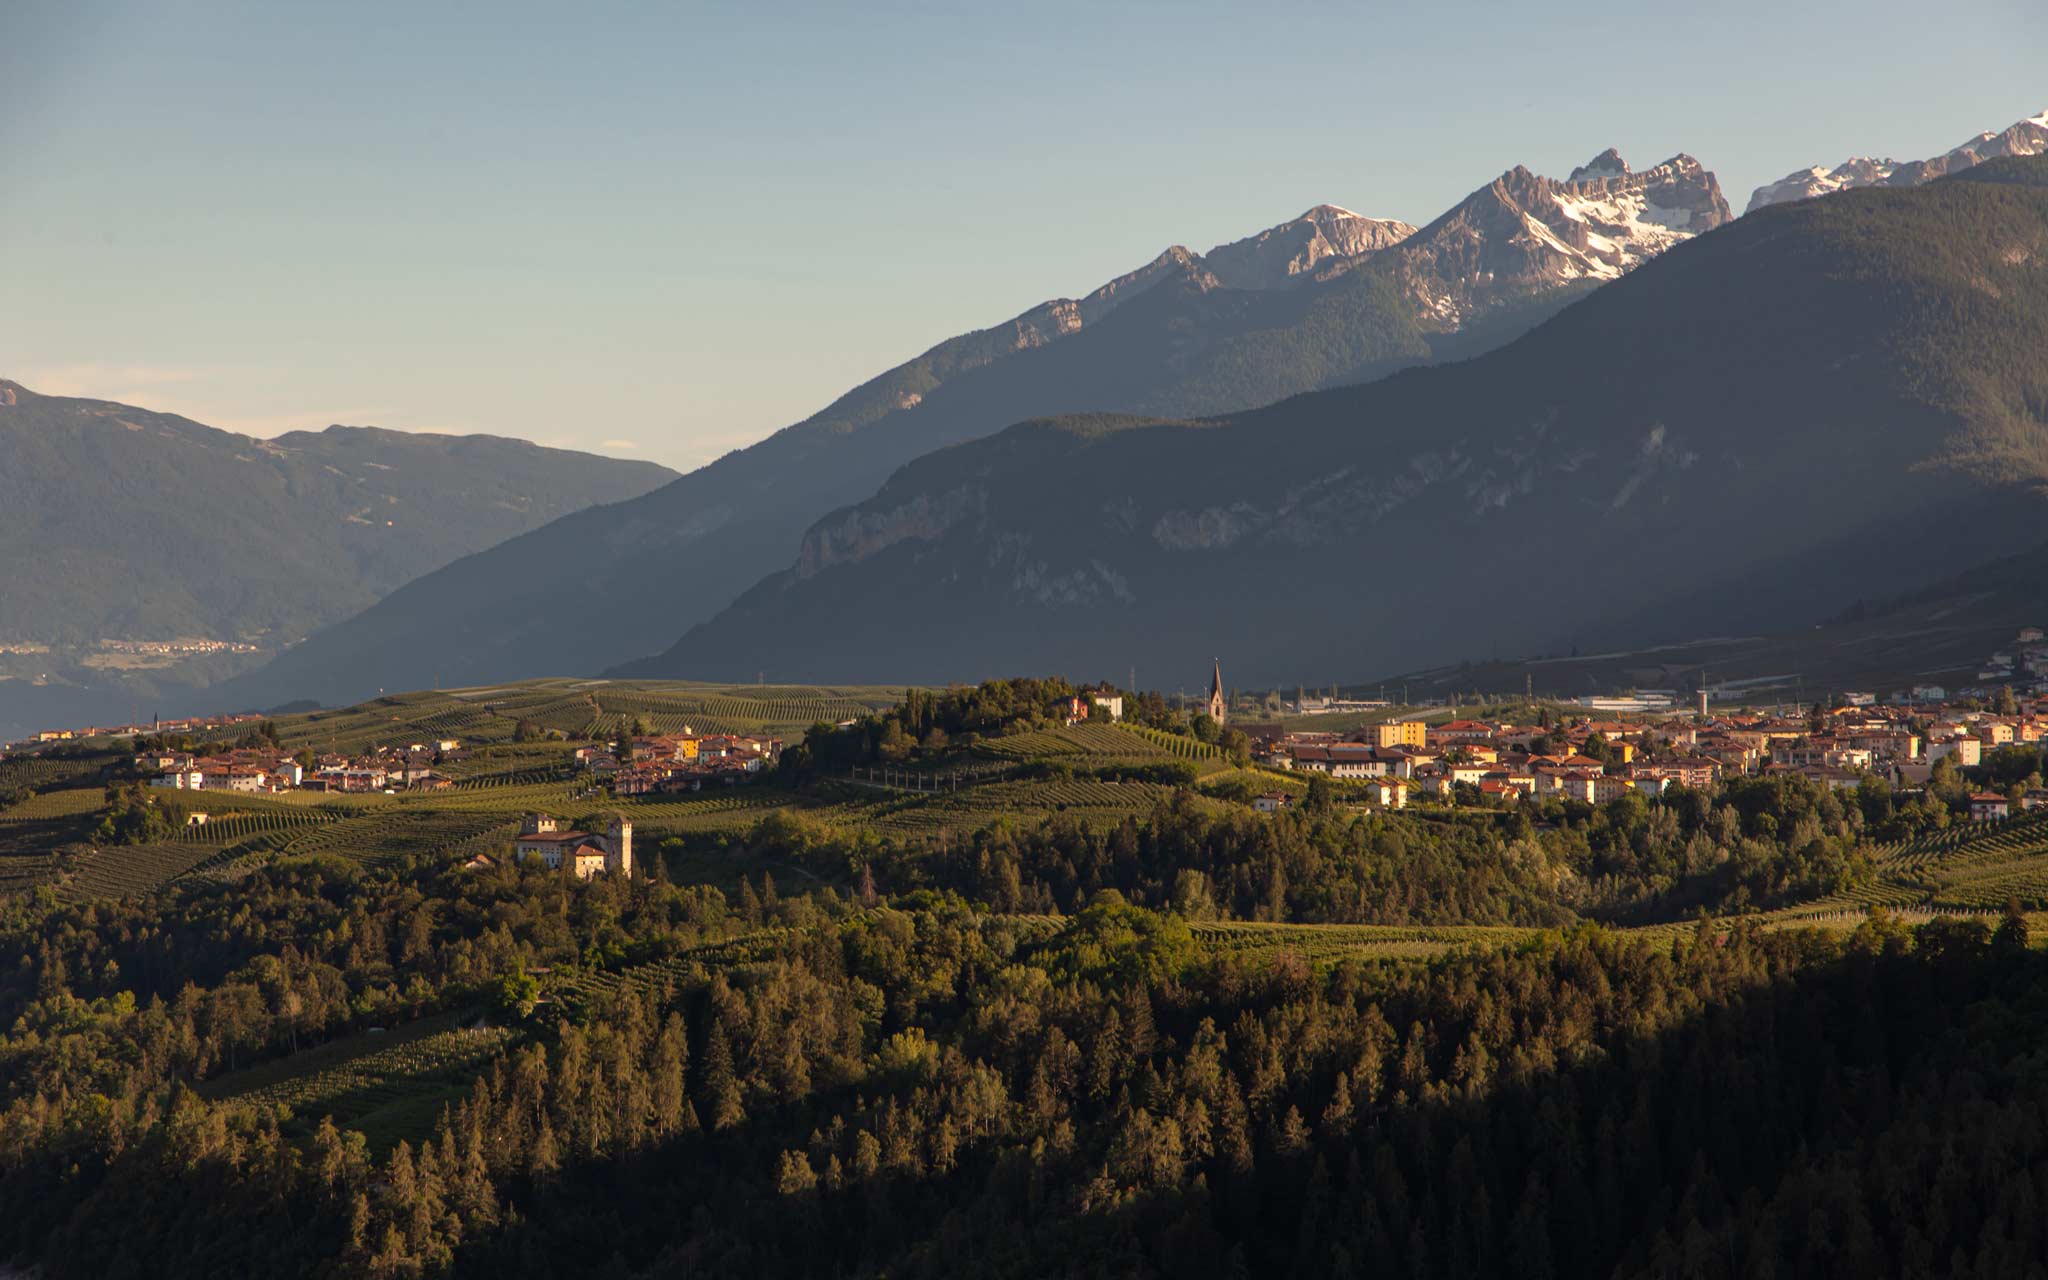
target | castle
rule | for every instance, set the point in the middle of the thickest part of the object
(541, 835)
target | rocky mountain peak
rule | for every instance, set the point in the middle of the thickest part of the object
(1523, 232)
(1608, 164)
(1322, 241)
(2028, 137)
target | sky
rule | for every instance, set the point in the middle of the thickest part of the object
(667, 230)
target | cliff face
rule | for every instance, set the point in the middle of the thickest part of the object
(855, 535)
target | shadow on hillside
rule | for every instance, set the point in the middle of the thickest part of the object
(1870, 1116)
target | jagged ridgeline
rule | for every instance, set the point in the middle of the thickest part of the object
(1752, 431)
(2028, 137)
(1326, 299)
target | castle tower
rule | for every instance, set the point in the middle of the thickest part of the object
(619, 847)
(1218, 708)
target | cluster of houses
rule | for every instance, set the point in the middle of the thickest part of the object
(413, 767)
(641, 766)
(667, 763)
(2023, 661)
(1511, 762)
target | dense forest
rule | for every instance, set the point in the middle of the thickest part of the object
(814, 1085)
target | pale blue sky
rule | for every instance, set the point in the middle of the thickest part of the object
(667, 230)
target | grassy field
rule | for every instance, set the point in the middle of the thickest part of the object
(1330, 942)
(390, 1085)
(581, 709)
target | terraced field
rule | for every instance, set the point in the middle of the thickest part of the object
(392, 721)
(779, 710)
(719, 809)
(579, 708)
(119, 870)
(43, 772)
(72, 803)
(1174, 744)
(573, 986)
(390, 1085)
(233, 828)
(1029, 801)
(33, 834)
(1324, 943)
(1975, 866)
(394, 833)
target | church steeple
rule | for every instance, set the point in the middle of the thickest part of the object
(1218, 708)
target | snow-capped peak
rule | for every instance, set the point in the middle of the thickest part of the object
(1524, 233)
(2026, 138)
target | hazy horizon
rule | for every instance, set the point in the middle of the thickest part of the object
(625, 236)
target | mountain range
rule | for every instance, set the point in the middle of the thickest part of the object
(1825, 401)
(1328, 299)
(2029, 137)
(126, 524)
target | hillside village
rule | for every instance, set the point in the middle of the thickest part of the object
(1597, 761)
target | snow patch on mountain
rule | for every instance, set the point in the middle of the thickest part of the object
(1523, 232)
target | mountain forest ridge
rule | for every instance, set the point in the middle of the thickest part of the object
(1327, 299)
